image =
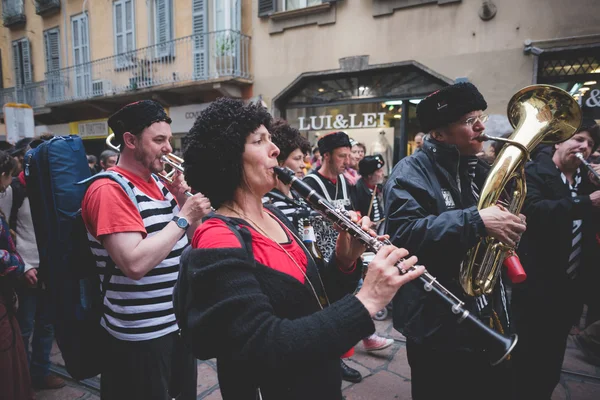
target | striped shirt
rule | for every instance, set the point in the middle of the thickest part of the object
(143, 309)
(295, 209)
(576, 229)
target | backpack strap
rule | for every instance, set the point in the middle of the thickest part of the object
(19, 194)
(112, 175)
(110, 264)
(241, 233)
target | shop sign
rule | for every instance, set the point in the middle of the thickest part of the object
(184, 116)
(90, 129)
(594, 99)
(326, 122)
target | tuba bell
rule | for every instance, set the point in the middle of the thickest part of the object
(539, 114)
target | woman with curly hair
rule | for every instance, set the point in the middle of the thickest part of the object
(249, 294)
(15, 382)
(292, 148)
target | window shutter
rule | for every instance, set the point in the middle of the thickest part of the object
(119, 28)
(27, 75)
(129, 24)
(266, 7)
(124, 31)
(163, 27)
(51, 41)
(199, 30)
(17, 65)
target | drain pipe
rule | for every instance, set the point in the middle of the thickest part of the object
(65, 30)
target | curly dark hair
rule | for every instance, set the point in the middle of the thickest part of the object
(7, 163)
(215, 144)
(287, 139)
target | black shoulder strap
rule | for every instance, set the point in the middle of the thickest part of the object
(241, 233)
(19, 194)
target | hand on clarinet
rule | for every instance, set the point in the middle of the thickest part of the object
(347, 248)
(383, 277)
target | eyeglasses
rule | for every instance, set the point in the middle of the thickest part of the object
(481, 118)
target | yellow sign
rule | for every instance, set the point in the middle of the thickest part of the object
(90, 129)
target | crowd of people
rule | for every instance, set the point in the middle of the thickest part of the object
(225, 273)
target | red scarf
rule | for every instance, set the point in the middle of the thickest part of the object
(22, 179)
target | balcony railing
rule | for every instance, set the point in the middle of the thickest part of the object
(13, 12)
(189, 59)
(45, 7)
(33, 94)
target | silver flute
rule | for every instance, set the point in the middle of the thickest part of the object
(497, 345)
(588, 166)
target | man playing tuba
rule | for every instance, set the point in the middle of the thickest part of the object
(431, 210)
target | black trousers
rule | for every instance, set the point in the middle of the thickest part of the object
(456, 374)
(156, 369)
(539, 355)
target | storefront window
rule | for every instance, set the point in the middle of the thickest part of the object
(372, 124)
(577, 72)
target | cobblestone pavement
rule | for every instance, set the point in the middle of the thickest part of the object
(386, 376)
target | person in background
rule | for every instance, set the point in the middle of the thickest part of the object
(362, 151)
(368, 188)
(292, 146)
(92, 163)
(560, 254)
(34, 309)
(316, 159)
(419, 140)
(350, 172)
(108, 159)
(18, 153)
(15, 382)
(493, 149)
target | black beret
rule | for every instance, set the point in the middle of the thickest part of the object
(136, 117)
(332, 141)
(370, 164)
(447, 105)
(20, 147)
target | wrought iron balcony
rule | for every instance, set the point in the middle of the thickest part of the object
(46, 7)
(201, 57)
(13, 12)
(33, 94)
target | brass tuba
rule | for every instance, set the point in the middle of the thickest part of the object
(539, 114)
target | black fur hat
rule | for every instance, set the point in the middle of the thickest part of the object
(370, 164)
(332, 141)
(448, 105)
(136, 117)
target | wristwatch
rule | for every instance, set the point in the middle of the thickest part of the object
(181, 222)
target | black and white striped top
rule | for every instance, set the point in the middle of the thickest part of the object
(295, 209)
(143, 309)
(375, 208)
(576, 229)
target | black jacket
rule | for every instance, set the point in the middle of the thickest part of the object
(264, 327)
(363, 197)
(546, 245)
(335, 191)
(433, 218)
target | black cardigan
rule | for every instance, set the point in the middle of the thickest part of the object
(265, 327)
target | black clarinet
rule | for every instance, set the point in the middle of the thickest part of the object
(498, 345)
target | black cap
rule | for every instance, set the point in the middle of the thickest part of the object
(136, 117)
(370, 164)
(332, 141)
(20, 147)
(447, 105)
